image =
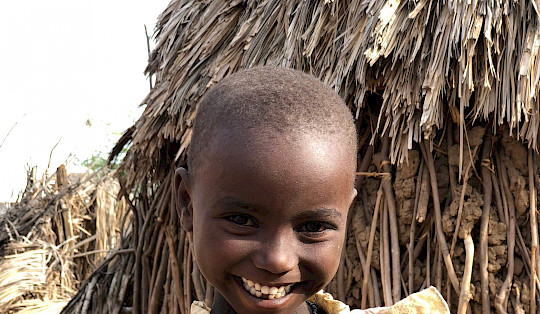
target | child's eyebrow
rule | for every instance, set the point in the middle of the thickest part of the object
(231, 202)
(321, 213)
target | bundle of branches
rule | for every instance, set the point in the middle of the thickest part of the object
(444, 201)
(54, 238)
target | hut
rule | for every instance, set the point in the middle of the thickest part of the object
(446, 99)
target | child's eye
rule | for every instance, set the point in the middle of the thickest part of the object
(315, 227)
(242, 220)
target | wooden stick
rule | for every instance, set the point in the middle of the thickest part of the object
(527, 258)
(465, 294)
(377, 295)
(484, 257)
(88, 296)
(340, 276)
(428, 260)
(394, 234)
(501, 300)
(423, 197)
(174, 264)
(412, 231)
(385, 259)
(368, 290)
(438, 220)
(461, 202)
(187, 275)
(363, 166)
(421, 241)
(438, 276)
(159, 283)
(367, 268)
(160, 246)
(498, 198)
(534, 232)
(451, 170)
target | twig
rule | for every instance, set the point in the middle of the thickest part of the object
(340, 276)
(438, 220)
(451, 172)
(501, 299)
(423, 197)
(148, 52)
(394, 234)
(159, 283)
(367, 268)
(368, 291)
(385, 259)
(412, 231)
(10, 130)
(461, 202)
(50, 156)
(366, 160)
(465, 294)
(534, 232)
(174, 264)
(484, 257)
(428, 260)
(88, 296)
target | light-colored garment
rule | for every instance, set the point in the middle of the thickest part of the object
(425, 301)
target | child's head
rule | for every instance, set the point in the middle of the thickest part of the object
(271, 178)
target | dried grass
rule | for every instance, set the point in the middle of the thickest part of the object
(55, 237)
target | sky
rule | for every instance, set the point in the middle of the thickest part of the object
(71, 79)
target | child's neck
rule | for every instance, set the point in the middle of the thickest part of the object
(221, 306)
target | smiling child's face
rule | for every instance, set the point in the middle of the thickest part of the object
(268, 218)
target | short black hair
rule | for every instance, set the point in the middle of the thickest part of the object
(269, 100)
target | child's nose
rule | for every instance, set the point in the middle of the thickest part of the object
(276, 255)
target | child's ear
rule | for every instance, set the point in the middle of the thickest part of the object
(182, 196)
(354, 194)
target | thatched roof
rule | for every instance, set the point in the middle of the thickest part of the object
(430, 60)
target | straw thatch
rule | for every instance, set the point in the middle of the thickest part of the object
(443, 90)
(54, 238)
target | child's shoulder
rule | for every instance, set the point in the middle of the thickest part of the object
(425, 301)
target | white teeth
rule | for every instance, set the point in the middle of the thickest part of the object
(259, 291)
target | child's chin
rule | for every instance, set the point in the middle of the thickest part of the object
(252, 304)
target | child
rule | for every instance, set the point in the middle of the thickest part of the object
(271, 177)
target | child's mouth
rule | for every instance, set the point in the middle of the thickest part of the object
(265, 292)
